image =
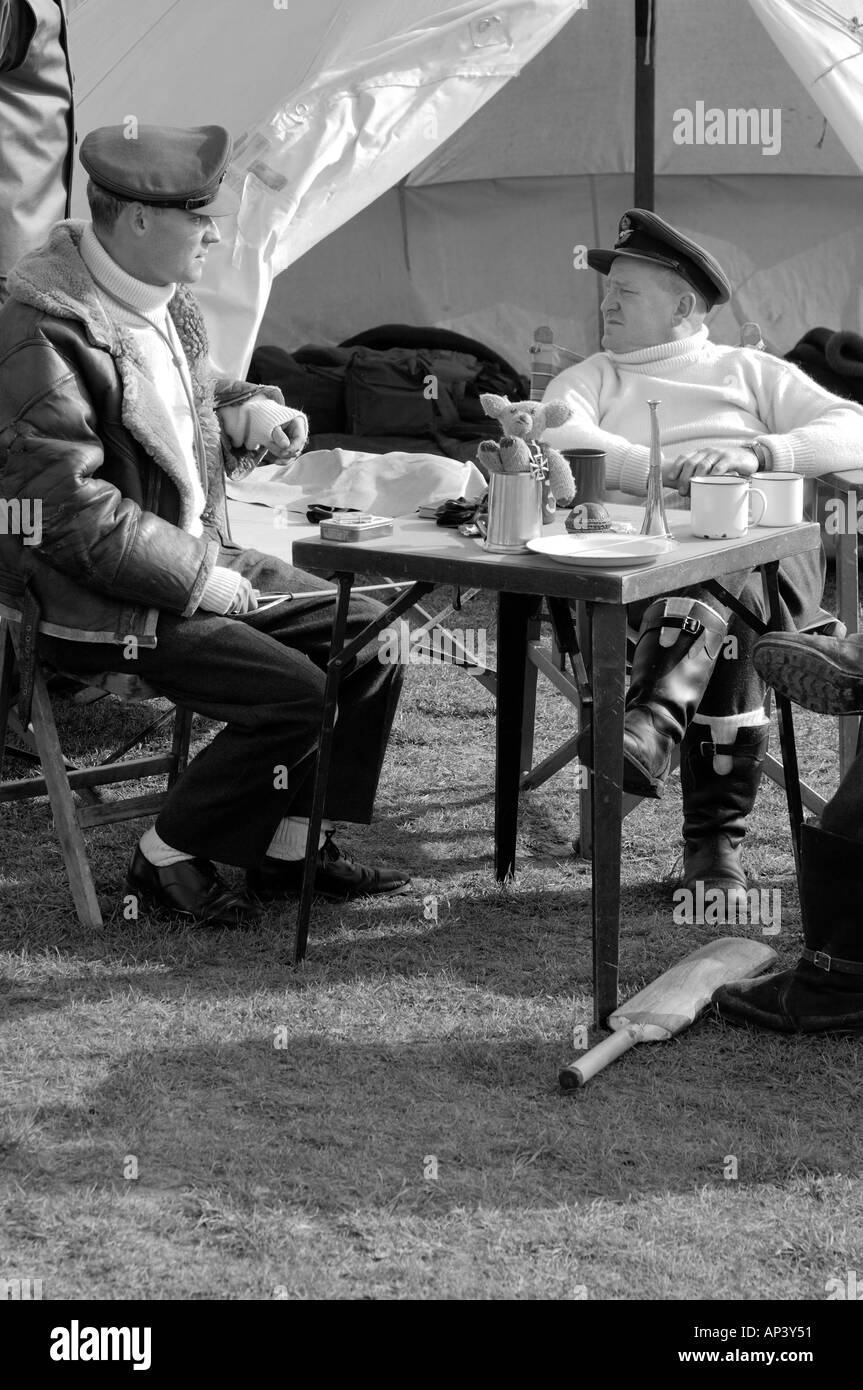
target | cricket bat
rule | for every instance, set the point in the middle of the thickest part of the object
(672, 1002)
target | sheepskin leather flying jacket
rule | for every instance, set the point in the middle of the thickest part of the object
(85, 437)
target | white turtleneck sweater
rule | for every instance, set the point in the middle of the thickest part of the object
(152, 328)
(711, 397)
(158, 342)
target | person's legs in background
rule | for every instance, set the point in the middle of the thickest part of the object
(721, 765)
(693, 684)
(824, 992)
(679, 642)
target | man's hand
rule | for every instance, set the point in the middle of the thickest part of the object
(734, 459)
(246, 600)
(289, 440)
(261, 424)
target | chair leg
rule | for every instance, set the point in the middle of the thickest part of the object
(848, 609)
(180, 742)
(570, 683)
(7, 661)
(534, 635)
(63, 806)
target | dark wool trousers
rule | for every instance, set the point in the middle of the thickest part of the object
(262, 675)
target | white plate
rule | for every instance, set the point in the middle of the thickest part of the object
(611, 552)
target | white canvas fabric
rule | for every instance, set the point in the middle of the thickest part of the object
(824, 45)
(411, 162)
(482, 237)
(392, 484)
(330, 102)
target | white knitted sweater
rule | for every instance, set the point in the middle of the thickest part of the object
(710, 395)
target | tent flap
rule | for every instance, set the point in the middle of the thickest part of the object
(824, 46)
(377, 88)
(404, 160)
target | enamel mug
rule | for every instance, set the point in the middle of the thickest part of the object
(784, 493)
(722, 507)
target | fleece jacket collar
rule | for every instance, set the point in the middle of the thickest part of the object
(55, 281)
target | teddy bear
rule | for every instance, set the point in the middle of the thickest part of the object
(520, 449)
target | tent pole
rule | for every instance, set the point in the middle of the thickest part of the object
(645, 106)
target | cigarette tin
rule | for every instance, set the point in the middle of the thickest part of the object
(348, 526)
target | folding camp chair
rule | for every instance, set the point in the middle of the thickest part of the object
(35, 732)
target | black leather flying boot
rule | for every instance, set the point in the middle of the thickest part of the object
(824, 993)
(716, 805)
(673, 662)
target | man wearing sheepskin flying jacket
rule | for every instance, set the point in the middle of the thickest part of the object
(824, 992)
(113, 426)
(724, 410)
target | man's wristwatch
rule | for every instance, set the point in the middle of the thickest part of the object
(761, 454)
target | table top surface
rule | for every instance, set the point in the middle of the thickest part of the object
(265, 529)
(420, 550)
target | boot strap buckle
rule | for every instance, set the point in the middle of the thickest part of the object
(730, 750)
(714, 750)
(692, 625)
(827, 962)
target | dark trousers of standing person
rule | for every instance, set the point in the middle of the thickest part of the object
(824, 991)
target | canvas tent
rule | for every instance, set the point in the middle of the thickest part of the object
(478, 233)
(330, 102)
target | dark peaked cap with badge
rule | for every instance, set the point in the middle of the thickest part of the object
(163, 166)
(643, 236)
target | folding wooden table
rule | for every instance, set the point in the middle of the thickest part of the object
(427, 555)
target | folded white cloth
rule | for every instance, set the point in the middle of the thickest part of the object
(384, 484)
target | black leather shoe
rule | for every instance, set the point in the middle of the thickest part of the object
(803, 1000)
(191, 888)
(337, 876)
(716, 862)
(820, 673)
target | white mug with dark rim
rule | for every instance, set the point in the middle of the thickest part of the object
(722, 506)
(784, 493)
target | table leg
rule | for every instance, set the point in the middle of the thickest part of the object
(340, 657)
(608, 645)
(322, 765)
(584, 843)
(787, 742)
(514, 615)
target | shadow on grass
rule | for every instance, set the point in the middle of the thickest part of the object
(524, 940)
(491, 939)
(341, 1125)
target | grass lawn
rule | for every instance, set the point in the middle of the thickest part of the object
(183, 1116)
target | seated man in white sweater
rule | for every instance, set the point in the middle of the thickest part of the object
(724, 410)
